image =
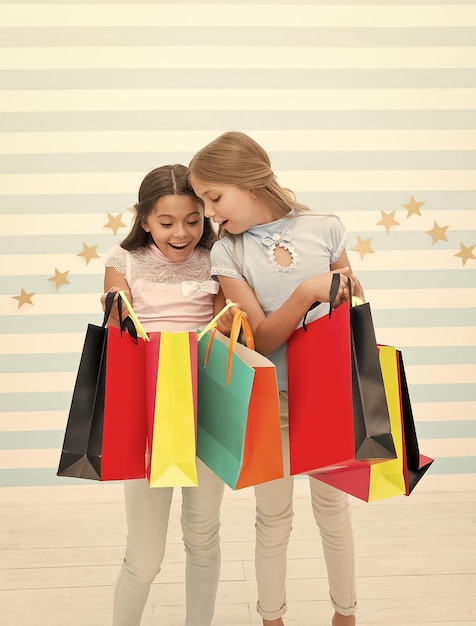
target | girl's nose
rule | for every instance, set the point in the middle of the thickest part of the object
(209, 212)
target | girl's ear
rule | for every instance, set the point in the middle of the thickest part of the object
(145, 226)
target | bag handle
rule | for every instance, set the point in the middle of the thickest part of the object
(240, 323)
(131, 323)
(334, 288)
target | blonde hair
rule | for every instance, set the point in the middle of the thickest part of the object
(235, 159)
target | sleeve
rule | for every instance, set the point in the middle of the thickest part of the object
(223, 259)
(337, 238)
(117, 258)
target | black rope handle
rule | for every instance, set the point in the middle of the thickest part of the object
(126, 325)
(334, 288)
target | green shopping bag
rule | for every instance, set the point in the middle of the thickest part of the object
(239, 431)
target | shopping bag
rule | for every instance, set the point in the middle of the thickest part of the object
(337, 405)
(239, 431)
(171, 392)
(377, 481)
(105, 436)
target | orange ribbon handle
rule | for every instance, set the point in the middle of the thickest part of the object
(239, 322)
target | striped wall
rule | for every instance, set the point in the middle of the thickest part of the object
(367, 110)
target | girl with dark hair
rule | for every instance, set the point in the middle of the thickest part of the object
(164, 267)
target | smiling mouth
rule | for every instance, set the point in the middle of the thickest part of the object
(179, 246)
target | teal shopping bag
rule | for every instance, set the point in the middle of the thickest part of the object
(239, 433)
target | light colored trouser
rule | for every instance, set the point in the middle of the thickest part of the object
(274, 514)
(147, 512)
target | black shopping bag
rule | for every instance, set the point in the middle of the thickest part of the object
(82, 451)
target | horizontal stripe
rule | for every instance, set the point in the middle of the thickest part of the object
(81, 280)
(396, 299)
(38, 477)
(273, 78)
(68, 362)
(451, 429)
(51, 225)
(453, 472)
(49, 362)
(416, 328)
(421, 336)
(33, 440)
(233, 56)
(442, 411)
(452, 465)
(57, 342)
(389, 259)
(460, 439)
(333, 201)
(262, 36)
(33, 420)
(56, 420)
(293, 161)
(424, 308)
(221, 120)
(163, 15)
(460, 224)
(253, 2)
(278, 143)
(122, 182)
(236, 99)
(64, 244)
(60, 400)
(417, 375)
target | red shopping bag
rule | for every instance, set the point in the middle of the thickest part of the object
(337, 405)
(124, 428)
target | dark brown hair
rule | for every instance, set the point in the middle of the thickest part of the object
(168, 180)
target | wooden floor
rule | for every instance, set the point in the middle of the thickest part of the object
(416, 558)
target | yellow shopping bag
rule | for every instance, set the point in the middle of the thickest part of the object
(171, 372)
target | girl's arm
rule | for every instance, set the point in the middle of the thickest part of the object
(272, 331)
(113, 281)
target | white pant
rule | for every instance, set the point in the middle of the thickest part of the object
(147, 512)
(274, 514)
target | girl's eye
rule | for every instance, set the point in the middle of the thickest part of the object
(166, 225)
(215, 199)
(193, 223)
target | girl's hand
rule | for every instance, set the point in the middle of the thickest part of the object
(319, 286)
(357, 289)
(114, 316)
(225, 321)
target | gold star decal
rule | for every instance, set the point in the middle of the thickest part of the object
(413, 207)
(437, 232)
(363, 247)
(388, 220)
(24, 298)
(59, 278)
(114, 222)
(466, 252)
(89, 252)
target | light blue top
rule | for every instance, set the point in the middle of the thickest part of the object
(314, 241)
